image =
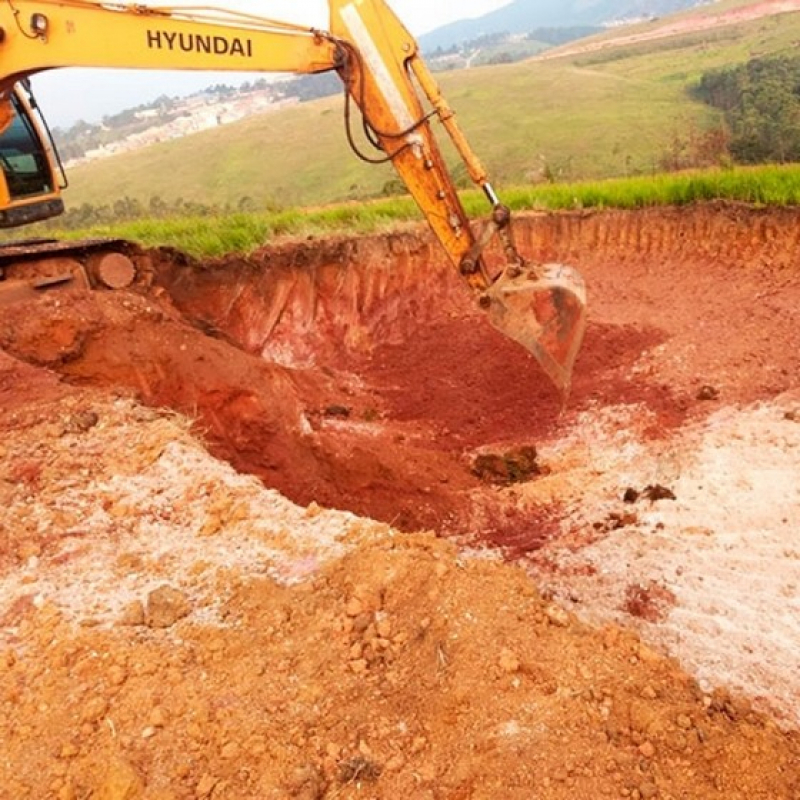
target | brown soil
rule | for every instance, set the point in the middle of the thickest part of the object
(697, 20)
(306, 653)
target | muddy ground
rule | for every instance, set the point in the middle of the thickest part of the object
(303, 525)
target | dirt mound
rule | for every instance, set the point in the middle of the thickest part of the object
(173, 629)
(178, 631)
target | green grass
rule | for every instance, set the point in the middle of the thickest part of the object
(208, 236)
(602, 115)
(590, 131)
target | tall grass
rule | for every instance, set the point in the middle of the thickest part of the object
(216, 235)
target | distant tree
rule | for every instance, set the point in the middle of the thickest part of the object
(501, 58)
(556, 36)
(157, 206)
(761, 104)
(311, 87)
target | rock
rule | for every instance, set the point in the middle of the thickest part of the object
(648, 791)
(513, 466)
(508, 662)
(81, 422)
(647, 749)
(338, 412)
(557, 616)
(707, 392)
(165, 606)
(122, 782)
(656, 492)
(93, 709)
(684, 722)
(652, 602)
(306, 783)
(630, 495)
(205, 786)
(132, 614)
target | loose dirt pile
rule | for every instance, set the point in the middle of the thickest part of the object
(169, 628)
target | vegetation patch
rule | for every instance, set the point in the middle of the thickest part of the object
(761, 103)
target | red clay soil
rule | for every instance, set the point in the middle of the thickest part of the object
(358, 374)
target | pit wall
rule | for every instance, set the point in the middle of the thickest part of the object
(320, 301)
(741, 235)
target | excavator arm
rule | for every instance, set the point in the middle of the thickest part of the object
(384, 75)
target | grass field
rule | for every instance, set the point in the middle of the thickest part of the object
(205, 236)
(621, 112)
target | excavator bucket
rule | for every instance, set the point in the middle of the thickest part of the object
(544, 309)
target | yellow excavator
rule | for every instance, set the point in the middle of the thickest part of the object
(540, 306)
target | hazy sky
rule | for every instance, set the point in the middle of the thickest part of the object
(68, 95)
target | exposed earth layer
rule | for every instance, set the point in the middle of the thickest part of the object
(417, 574)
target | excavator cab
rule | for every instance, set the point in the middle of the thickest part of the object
(29, 191)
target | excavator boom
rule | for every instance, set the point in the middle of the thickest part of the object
(379, 63)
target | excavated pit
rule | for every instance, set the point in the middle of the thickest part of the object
(356, 375)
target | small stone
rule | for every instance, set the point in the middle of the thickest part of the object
(94, 708)
(395, 763)
(557, 616)
(648, 791)
(707, 392)
(116, 674)
(158, 717)
(165, 606)
(68, 751)
(132, 614)
(684, 722)
(81, 422)
(230, 750)
(205, 786)
(354, 607)
(338, 411)
(630, 495)
(306, 783)
(647, 749)
(508, 661)
(122, 782)
(656, 492)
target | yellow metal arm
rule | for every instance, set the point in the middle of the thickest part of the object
(43, 34)
(379, 63)
(373, 52)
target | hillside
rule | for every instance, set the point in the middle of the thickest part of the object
(618, 110)
(523, 16)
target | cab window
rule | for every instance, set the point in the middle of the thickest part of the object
(22, 157)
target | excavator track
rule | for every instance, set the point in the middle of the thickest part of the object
(32, 266)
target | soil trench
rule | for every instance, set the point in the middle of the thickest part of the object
(357, 375)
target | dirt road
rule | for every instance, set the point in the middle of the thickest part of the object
(175, 626)
(697, 21)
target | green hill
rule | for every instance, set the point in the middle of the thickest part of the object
(619, 111)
